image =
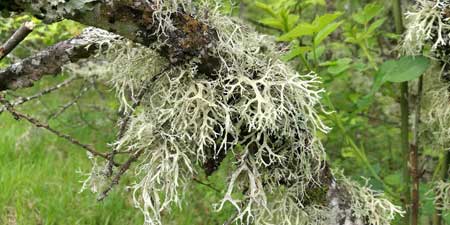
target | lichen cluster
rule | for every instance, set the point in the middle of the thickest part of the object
(368, 206)
(441, 191)
(436, 117)
(253, 107)
(427, 23)
(428, 27)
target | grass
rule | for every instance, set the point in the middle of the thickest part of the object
(39, 182)
(39, 173)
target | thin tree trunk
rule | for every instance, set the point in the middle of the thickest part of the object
(414, 158)
(398, 16)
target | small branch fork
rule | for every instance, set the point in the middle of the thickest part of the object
(16, 38)
(22, 100)
(18, 115)
(66, 106)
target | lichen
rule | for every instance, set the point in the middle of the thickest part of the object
(436, 118)
(441, 192)
(54, 10)
(426, 23)
(366, 205)
(252, 106)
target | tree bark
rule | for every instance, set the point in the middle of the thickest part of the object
(134, 19)
(47, 62)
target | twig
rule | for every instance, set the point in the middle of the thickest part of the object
(126, 118)
(22, 100)
(17, 115)
(205, 184)
(404, 114)
(232, 219)
(69, 104)
(16, 38)
(122, 170)
(414, 158)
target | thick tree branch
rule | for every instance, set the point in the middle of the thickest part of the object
(135, 20)
(47, 62)
(16, 38)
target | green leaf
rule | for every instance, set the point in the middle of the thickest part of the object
(292, 20)
(405, 69)
(324, 33)
(348, 152)
(339, 66)
(324, 20)
(303, 29)
(296, 52)
(369, 12)
(272, 22)
(315, 2)
(266, 8)
(394, 179)
(375, 25)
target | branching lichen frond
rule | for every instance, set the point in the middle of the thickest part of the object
(252, 107)
(441, 191)
(437, 117)
(426, 23)
(369, 206)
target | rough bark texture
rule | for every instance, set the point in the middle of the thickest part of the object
(47, 62)
(134, 20)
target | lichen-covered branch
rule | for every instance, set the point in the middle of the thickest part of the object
(226, 92)
(185, 38)
(16, 38)
(49, 61)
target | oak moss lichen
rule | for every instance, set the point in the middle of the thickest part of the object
(252, 106)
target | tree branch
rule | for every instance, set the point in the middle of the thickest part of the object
(47, 62)
(115, 181)
(16, 38)
(134, 19)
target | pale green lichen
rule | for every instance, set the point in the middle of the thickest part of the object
(54, 10)
(426, 23)
(436, 116)
(253, 106)
(441, 191)
(368, 206)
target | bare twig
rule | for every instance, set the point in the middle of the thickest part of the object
(414, 158)
(69, 104)
(126, 118)
(17, 115)
(231, 219)
(206, 184)
(122, 170)
(22, 100)
(16, 38)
